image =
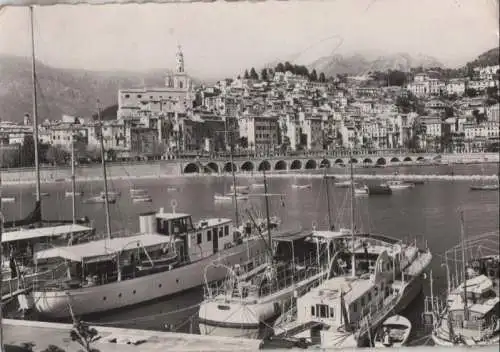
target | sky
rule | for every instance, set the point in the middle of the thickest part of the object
(224, 38)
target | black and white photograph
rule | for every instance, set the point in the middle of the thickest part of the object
(226, 175)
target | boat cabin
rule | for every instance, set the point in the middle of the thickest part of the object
(22, 244)
(482, 303)
(342, 302)
(109, 260)
(196, 241)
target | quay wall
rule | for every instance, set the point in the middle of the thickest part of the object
(42, 334)
(166, 168)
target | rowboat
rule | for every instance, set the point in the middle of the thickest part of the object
(394, 332)
(302, 186)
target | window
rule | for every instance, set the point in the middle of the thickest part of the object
(226, 230)
(322, 310)
(369, 297)
(209, 236)
(312, 311)
(354, 307)
(198, 238)
(375, 293)
(332, 312)
(139, 96)
(127, 96)
(221, 232)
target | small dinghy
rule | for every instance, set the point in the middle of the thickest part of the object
(112, 194)
(361, 191)
(240, 189)
(142, 199)
(229, 197)
(134, 191)
(257, 185)
(172, 189)
(484, 188)
(394, 332)
(42, 194)
(77, 194)
(8, 199)
(100, 199)
(343, 184)
(302, 186)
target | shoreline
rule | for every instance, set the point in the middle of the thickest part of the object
(305, 174)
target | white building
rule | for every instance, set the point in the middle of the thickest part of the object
(456, 86)
(261, 132)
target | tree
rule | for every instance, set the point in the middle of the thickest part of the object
(263, 74)
(396, 78)
(288, 67)
(84, 335)
(10, 157)
(28, 151)
(322, 77)
(313, 76)
(470, 92)
(253, 74)
(280, 68)
(56, 155)
(53, 348)
(247, 75)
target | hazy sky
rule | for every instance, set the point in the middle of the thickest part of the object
(224, 38)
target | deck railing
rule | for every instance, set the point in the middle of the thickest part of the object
(376, 312)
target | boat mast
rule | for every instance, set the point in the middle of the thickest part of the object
(267, 214)
(464, 264)
(35, 116)
(73, 185)
(103, 161)
(1, 264)
(235, 193)
(328, 201)
(353, 258)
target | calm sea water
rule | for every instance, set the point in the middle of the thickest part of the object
(429, 211)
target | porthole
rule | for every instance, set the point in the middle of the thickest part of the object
(119, 295)
(133, 292)
(104, 298)
(177, 280)
(159, 285)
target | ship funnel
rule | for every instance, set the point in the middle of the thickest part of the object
(147, 223)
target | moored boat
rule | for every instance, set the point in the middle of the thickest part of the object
(76, 193)
(379, 190)
(343, 184)
(398, 185)
(240, 189)
(100, 199)
(361, 191)
(394, 332)
(229, 197)
(168, 256)
(8, 199)
(307, 186)
(484, 188)
(142, 199)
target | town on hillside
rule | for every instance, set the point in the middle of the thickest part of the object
(284, 110)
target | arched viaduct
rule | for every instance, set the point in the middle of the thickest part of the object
(298, 163)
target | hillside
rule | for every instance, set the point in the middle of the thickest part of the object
(63, 91)
(358, 64)
(488, 58)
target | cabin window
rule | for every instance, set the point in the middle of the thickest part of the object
(226, 230)
(322, 310)
(198, 238)
(362, 301)
(375, 293)
(332, 315)
(221, 232)
(312, 311)
(387, 291)
(369, 297)
(354, 307)
(209, 236)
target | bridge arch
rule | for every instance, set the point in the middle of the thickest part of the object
(353, 161)
(394, 160)
(367, 161)
(280, 165)
(191, 168)
(212, 167)
(264, 166)
(227, 167)
(339, 161)
(325, 163)
(381, 161)
(311, 164)
(408, 158)
(247, 166)
(420, 158)
(296, 165)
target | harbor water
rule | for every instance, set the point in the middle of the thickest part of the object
(429, 211)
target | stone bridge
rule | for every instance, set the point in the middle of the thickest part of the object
(285, 163)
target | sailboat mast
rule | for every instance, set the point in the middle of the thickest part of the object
(267, 210)
(328, 200)
(35, 112)
(103, 161)
(236, 213)
(353, 258)
(464, 264)
(73, 185)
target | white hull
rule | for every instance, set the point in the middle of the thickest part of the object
(8, 199)
(77, 194)
(206, 329)
(221, 198)
(142, 200)
(301, 186)
(95, 299)
(237, 315)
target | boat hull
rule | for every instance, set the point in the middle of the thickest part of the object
(95, 299)
(214, 314)
(411, 291)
